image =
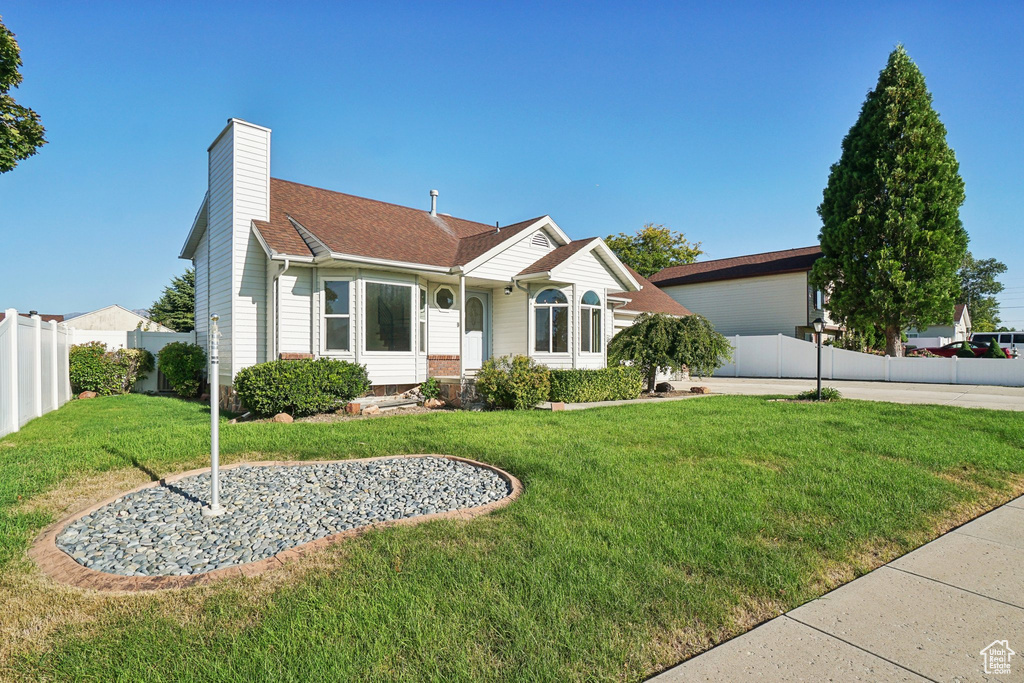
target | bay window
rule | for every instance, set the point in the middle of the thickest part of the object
(590, 323)
(388, 317)
(551, 322)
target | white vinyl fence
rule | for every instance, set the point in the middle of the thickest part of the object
(781, 356)
(33, 369)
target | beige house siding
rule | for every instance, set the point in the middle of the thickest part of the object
(769, 304)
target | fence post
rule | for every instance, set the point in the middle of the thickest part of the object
(953, 370)
(54, 366)
(65, 361)
(778, 356)
(831, 362)
(11, 319)
(37, 370)
(887, 375)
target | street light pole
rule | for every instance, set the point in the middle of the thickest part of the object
(214, 508)
(819, 326)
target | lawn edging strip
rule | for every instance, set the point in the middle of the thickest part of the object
(61, 567)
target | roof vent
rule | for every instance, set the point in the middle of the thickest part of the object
(433, 202)
(539, 240)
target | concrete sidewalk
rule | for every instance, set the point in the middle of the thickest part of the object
(923, 617)
(963, 395)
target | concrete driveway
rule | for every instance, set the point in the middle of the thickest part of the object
(963, 395)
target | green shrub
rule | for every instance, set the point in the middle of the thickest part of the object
(827, 394)
(515, 382)
(300, 387)
(994, 350)
(183, 364)
(964, 351)
(92, 368)
(431, 388)
(607, 384)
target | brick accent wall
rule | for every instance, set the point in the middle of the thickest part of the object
(443, 366)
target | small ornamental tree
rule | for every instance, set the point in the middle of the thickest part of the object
(183, 364)
(994, 350)
(891, 236)
(653, 248)
(658, 341)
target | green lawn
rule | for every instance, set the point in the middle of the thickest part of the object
(645, 533)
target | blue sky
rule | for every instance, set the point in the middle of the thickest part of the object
(720, 121)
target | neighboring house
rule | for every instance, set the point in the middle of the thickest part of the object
(296, 271)
(114, 317)
(959, 330)
(751, 295)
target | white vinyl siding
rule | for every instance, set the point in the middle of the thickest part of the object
(443, 324)
(220, 240)
(202, 310)
(510, 333)
(295, 290)
(511, 261)
(769, 304)
(589, 270)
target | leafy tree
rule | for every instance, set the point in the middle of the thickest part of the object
(656, 340)
(653, 248)
(21, 133)
(891, 233)
(978, 287)
(176, 308)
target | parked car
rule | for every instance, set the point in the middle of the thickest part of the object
(950, 349)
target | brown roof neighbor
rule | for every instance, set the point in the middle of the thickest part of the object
(650, 299)
(958, 312)
(45, 318)
(357, 226)
(556, 257)
(769, 263)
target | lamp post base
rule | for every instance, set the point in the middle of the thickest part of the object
(211, 511)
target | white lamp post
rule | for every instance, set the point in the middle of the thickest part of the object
(819, 326)
(214, 508)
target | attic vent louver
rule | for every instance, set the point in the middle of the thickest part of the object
(539, 240)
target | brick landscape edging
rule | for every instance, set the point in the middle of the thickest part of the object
(61, 567)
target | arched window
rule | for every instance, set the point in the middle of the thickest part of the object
(590, 323)
(551, 317)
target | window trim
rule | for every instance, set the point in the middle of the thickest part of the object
(413, 308)
(322, 292)
(550, 308)
(422, 315)
(455, 298)
(589, 309)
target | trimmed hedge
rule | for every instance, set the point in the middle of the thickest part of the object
(300, 387)
(92, 368)
(183, 364)
(994, 350)
(606, 384)
(515, 382)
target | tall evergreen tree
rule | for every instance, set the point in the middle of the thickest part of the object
(21, 133)
(176, 307)
(891, 233)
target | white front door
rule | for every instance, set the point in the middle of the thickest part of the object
(475, 345)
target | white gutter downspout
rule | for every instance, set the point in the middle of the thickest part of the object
(462, 325)
(277, 308)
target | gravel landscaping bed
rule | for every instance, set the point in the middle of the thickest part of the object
(160, 531)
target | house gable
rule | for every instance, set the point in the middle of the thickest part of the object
(506, 260)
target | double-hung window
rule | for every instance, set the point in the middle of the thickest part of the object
(551, 322)
(590, 323)
(337, 327)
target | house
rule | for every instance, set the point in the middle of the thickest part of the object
(44, 317)
(295, 271)
(114, 317)
(959, 330)
(758, 294)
